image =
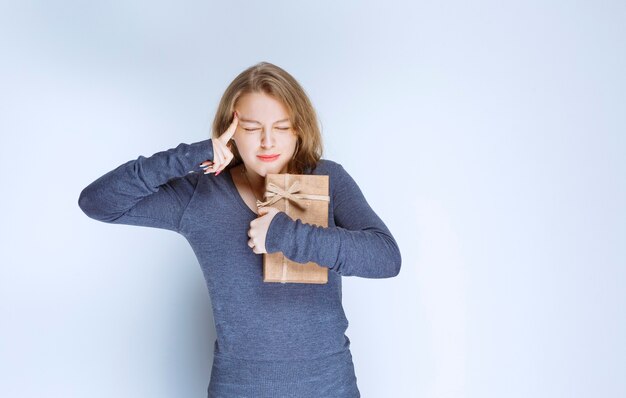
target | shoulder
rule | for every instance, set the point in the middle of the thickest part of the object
(341, 183)
(328, 167)
(336, 171)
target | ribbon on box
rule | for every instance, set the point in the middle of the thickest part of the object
(274, 193)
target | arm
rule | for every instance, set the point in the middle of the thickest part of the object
(147, 191)
(360, 244)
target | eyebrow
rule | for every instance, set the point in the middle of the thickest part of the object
(241, 119)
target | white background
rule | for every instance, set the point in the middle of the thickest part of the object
(488, 135)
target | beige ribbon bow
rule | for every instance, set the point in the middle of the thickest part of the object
(275, 193)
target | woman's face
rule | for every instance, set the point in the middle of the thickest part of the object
(264, 129)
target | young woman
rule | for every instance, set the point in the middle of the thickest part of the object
(273, 339)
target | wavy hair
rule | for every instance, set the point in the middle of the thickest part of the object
(274, 81)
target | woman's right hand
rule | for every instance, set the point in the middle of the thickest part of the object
(221, 150)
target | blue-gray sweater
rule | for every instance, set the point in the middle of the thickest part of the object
(272, 338)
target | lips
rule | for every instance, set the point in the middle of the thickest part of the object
(268, 158)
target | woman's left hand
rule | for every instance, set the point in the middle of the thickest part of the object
(258, 229)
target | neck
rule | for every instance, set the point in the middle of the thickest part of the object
(257, 183)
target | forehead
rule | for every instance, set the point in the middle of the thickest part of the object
(261, 108)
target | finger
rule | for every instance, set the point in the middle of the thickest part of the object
(210, 168)
(224, 163)
(223, 151)
(232, 128)
(250, 243)
(226, 158)
(219, 158)
(216, 158)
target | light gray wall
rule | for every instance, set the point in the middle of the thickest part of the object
(489, 136)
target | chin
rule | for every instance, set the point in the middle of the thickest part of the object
(270, 169)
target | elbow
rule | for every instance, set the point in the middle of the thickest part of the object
(395, 263)
(393, 258)
(84, 202)
(89, 204)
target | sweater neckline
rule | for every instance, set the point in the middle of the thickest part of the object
(235, 192)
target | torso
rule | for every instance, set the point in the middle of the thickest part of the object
(243, 188)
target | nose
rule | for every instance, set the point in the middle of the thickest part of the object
(267, 140)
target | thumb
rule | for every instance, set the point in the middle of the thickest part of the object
(263, 210)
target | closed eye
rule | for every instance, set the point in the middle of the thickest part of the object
(255, 129)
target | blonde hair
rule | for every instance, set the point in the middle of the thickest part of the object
(274, 81)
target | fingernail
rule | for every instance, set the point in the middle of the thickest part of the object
(218, 173)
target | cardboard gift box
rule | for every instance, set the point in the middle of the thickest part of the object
(303, 197)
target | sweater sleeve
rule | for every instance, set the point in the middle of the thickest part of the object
(359, 245)
(147, 191)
